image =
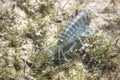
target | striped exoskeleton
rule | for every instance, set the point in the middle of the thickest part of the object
(77, 28)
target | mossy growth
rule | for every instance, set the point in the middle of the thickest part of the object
(98, 54)
(20, 62)
(117, 18)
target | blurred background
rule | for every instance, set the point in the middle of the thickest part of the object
(29, 34)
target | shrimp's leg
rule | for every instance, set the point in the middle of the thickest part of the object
(71, 48)
(60, 51)
(81, 42)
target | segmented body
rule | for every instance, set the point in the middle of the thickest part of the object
(78, 27)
